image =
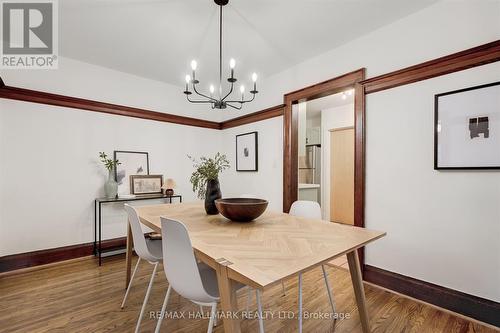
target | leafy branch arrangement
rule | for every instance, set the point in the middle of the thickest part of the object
(108, 163)
(206, 169)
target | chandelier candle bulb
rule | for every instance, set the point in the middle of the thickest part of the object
(193, 67)
(188, 79)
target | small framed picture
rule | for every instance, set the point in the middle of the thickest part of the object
(247, 152)
(146, 184)
(467, 128)
(131, 163)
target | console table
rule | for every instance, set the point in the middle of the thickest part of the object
(98, 221)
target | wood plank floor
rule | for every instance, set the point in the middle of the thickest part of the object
(82, 297)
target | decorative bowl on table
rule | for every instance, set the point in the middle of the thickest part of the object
(241, 209)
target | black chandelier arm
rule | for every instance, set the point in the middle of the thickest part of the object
(203, 95)
(245, 101)
(195, 101)
(234, 107)
(229, 93)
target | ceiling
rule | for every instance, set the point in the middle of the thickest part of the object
(158, 38)
(315, 106)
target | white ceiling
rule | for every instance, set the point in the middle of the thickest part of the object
(315, 106)
(158, 38)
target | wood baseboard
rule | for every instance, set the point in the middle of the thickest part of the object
(468, 305)
(43, 257)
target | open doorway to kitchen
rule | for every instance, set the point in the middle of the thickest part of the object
(341, 84)
(326, 154)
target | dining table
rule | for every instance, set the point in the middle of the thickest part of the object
(274, 247)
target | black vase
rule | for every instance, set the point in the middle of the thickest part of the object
(212, 193)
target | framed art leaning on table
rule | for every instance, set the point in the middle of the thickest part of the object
(146, 184)
(131, 163)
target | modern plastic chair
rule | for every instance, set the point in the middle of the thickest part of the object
(190, 279)
(146, 249)
(311, 210)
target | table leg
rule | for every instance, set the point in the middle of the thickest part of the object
(128, 258)
(95, 228)
(359, 291)
(229, 305)
(100, 234)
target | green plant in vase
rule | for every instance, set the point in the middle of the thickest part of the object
(111, 186)
(205, 179)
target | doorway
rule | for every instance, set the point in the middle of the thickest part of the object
(290, 138)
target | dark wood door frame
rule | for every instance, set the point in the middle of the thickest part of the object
(290, 137)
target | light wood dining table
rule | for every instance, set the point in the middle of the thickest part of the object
(262, 253)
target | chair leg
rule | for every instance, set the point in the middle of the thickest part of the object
(249, 298)
(163, 308)
(143, 308)
(330, 296)
(300, 302)
(259, 309)
(213, 313)
(130, 283)
(283, 287)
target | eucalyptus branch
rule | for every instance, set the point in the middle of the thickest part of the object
(108, 163)
(206, 169)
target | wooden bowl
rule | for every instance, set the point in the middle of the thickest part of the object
(241, 209)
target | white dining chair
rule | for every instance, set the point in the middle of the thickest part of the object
(189, 278)
(311, 210)
(146, 249)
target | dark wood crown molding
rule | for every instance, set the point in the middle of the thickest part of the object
(34, 96)
(268, 113)
(468, 305)
(476, 56)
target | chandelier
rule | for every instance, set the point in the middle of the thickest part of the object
(219, 100)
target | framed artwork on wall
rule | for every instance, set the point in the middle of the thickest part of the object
(132, 163)
(146, 184)
(467, 128)
(247, 152)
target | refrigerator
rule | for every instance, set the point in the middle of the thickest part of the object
(310, 165)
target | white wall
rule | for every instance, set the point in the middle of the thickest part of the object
(50, 172)
(268, 181)
(441, 29)
(337, 117)
(442, 226)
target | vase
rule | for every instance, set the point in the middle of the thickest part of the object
(111, 186)
(213, 193)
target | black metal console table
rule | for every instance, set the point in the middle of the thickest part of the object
(97, 215)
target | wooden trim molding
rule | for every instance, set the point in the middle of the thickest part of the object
(468, 305)
(43, 257)
(476, 56)
(34, 96)
(268, 113)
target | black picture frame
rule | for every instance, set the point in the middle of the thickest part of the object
(115, 157)
(436, 132)
(256, 141)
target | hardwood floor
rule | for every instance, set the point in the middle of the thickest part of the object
(82, 297)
